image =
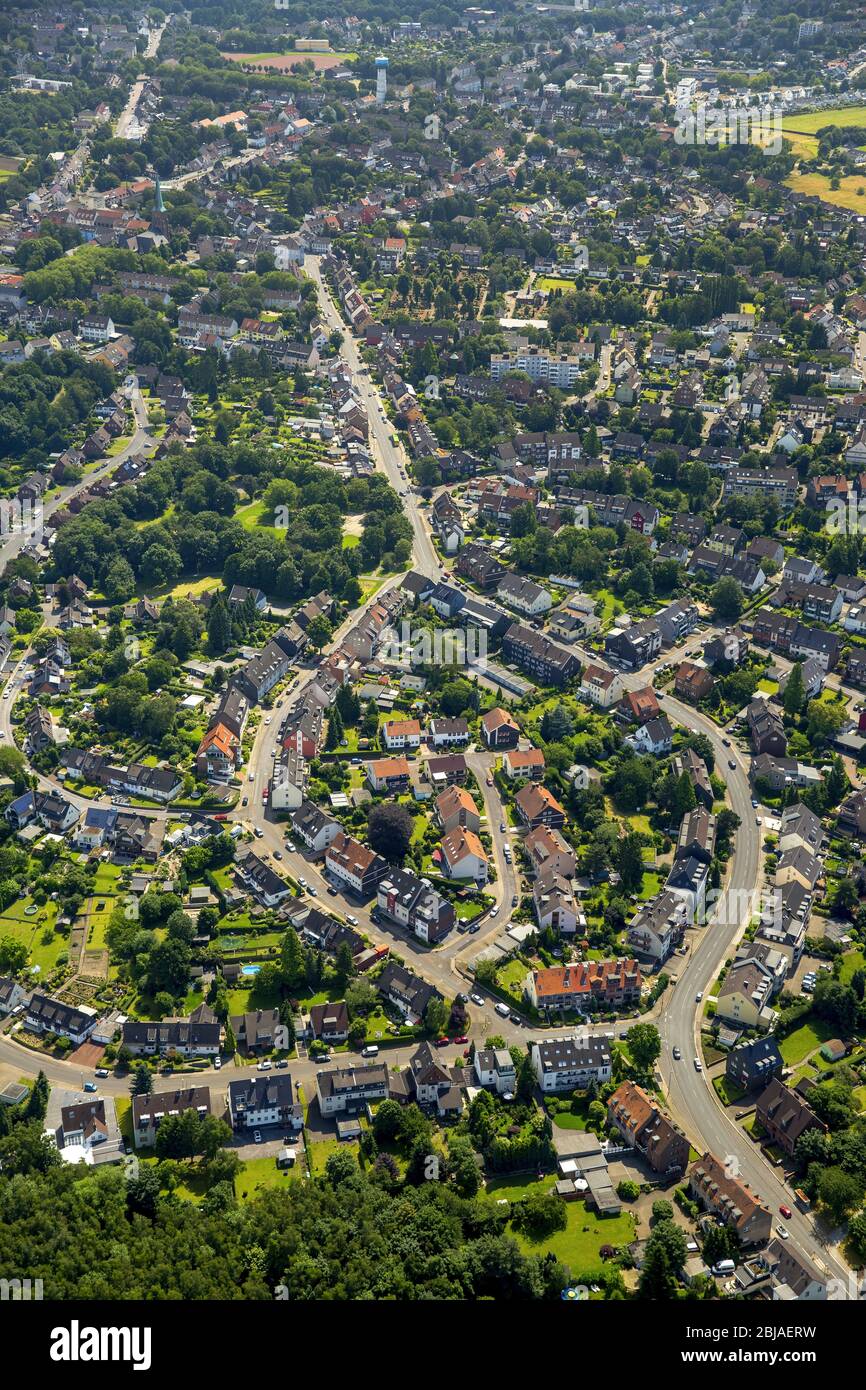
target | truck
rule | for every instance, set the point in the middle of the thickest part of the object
(801, 1199)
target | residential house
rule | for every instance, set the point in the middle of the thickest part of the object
(350, 1090)
(730, 1201)
(413, 903)
(259, 1102)
(644, 1126)
(537, 806)
(355, 865)
(609, 983)
(785, 1115)
(752, 1065)
(566, 1063)
(149, 1111)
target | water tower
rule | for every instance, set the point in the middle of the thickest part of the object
(381, 80)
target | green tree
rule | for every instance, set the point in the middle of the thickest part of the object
(645, 1045)
(794, 697)
(726, 600)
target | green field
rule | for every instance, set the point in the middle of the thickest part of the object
(805, 1039)
(30, 931)
(809, 122)
(259, 1173)
(578, 1245)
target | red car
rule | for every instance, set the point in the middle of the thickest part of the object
(786, 1212)
(442, 1042)
(462, 1039)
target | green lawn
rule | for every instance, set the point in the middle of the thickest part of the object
(30, 931)
(578, 1245)
(260, 1173)
(566, 1120)
(851, 961)
(515, 1186)
(251, 518)
(805, 1039)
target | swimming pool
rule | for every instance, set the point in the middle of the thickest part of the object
(250, 969)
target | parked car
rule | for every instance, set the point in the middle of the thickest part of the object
(698, 1064)
(217, 1063)
(514, 899)
(245, 801)
(257, 1136)
(371, 1050)
(282, 1063)
(477, 999)
(442, 1042)
(462, 1039)
(264, 1065)
(90, 1085)
(475, 927)
(101, 1071)
(699, 996)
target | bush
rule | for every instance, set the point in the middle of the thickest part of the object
(627, 1190)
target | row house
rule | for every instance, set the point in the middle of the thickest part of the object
(183, 1036)
(730, 1201)
(149, 1111)
(611, 984)
(635, 645)
(644, 1126)
(355, 865)
(535, 654)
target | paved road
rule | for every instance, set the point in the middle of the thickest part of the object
(391, 457)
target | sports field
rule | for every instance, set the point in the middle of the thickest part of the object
(284, 62)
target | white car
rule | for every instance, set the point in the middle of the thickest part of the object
(494, 909)
(699, 996)
(217, 1063)
(699, 1066)
(264, 1066)
(257, 1136)
(477, 999)
(783, 1232)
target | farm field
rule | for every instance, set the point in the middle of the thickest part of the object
(850, 194)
